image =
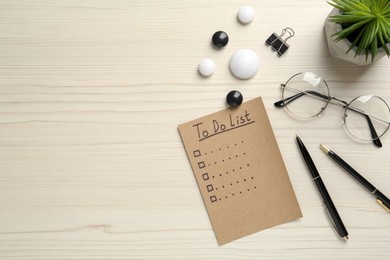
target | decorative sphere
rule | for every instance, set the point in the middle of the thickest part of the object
(234, 98)
(244, 64)
(246, 14)
(206, 67)
(220, 39)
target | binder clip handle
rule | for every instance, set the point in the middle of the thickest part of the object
(277, 42)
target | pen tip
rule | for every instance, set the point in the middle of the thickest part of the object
(324, 149)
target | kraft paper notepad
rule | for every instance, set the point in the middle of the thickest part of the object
(240, 171)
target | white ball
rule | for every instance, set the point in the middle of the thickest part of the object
(206, 67)
(246, 14)
(244, 64)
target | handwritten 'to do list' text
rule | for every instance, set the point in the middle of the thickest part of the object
(208, 129)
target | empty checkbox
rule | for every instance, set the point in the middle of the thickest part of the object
(201, 165)
(197, 153)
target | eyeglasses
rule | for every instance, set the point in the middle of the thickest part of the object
(306, 95)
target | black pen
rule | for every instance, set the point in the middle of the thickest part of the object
(333, 214)
(380, 197)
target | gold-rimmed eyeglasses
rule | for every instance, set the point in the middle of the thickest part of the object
(306, 95)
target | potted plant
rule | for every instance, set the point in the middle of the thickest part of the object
(358, 31)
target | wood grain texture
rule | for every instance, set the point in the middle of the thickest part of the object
(92, 165)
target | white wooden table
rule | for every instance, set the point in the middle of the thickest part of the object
(92, 165)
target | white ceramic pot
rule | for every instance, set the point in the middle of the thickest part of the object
(338, 49)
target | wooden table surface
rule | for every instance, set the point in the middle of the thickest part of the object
(91, 162)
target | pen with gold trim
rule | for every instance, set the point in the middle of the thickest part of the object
(380, 197)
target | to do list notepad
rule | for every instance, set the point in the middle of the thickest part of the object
(240, 171)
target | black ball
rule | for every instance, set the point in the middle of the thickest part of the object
(220, 39)
(234, 98)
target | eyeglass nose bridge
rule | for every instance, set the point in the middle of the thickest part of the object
(343, 103)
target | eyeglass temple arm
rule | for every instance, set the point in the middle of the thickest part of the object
(374, 135)
(286, 101)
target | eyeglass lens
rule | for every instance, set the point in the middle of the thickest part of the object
(365, 110)
(311, 95)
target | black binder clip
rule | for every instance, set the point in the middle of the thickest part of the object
(277, 42)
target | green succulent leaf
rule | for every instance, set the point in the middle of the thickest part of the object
(347, 31)
(365, 23)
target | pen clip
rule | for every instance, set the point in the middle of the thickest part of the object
(383, 205)
(331, 220)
